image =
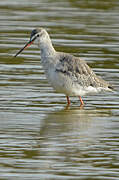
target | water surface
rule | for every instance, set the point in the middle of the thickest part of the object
(39, 137)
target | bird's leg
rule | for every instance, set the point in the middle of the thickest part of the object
(82, 103)
(68, 101)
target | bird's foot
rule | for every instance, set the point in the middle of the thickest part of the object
(82, 103)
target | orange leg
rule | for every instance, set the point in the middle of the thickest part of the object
(68, 100)
(82, 103)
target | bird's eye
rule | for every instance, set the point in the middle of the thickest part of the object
(38, 35)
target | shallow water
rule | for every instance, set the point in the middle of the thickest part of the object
(39, 137)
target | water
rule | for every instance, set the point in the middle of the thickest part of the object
(39, 137)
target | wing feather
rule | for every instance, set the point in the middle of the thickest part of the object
(78, 70)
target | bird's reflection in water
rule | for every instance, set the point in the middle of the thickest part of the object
(67, 138)
(73, 128)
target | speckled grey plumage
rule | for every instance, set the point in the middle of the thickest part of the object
(78, 70)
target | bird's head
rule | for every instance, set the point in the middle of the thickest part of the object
(38, 34)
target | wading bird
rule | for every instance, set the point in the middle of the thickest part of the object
(66, 73)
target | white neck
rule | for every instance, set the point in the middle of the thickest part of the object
(46, 47)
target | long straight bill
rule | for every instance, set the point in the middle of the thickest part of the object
(27, 45)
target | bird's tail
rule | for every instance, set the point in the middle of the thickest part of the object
(110, 88)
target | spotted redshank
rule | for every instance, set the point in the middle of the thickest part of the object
(66, 73)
